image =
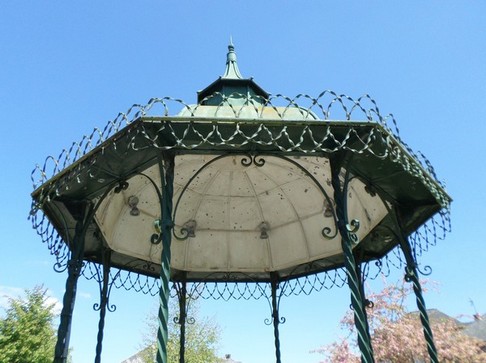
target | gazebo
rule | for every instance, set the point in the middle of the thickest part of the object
(241, 194)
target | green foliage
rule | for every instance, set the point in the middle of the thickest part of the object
(202, 337)
(26, 331)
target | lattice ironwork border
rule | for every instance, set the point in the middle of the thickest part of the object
(328, 108)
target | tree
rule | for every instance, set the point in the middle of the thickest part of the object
(397, 334)
(27, 334)
(202, 336)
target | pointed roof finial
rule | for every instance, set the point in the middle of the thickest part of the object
(231, 70)
(231, 87)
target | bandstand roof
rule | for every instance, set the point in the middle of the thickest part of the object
(252, 190)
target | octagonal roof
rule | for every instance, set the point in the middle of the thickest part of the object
(252, 190)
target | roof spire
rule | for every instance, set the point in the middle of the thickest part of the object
(231, 70)
(231, 87)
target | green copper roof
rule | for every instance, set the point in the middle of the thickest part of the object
(231, 86)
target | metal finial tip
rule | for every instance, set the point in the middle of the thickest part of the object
(232, 70)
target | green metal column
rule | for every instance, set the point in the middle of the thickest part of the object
(411, 275)
(275, 316)
(74, 269)
(366, 303)
(182, 296)
(106, 258)
(347, 231)
(167, 180)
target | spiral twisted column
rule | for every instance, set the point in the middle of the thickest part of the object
(182, 296)
(411, 275)
(347, 231)
(366, 303)
(276, 318)
(167, 179)
(103, 303)
(75, 265)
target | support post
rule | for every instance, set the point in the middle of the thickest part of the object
(275, 316)
(411, 275)
(103, 302)
(366, 302)
(167, 180)
(348, 236)
(182, 295)
(75, 265)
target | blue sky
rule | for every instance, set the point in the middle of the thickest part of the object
(66, 68)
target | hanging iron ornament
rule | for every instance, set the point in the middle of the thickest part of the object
(261, 193)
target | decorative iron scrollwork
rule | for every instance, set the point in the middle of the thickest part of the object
(326, 232)
(270, 321)
(425, 271)
(59, 266)
(106, 282)
(188, 320)
(254, 159)
(184, 234)
(187, 230)
(410, 273)
(149, 266)
(110, 307)
(156, 238)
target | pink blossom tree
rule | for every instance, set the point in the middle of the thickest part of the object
(397, 334)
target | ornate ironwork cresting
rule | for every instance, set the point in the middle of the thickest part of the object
(264, 196)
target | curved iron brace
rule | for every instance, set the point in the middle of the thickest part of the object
(184, 231)
(180, 287)
(75, 265)
(104, 282)
(349, 238)
(326, 231)
(184, 300)
(156, 238)
(274, 301)
(257, 159)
